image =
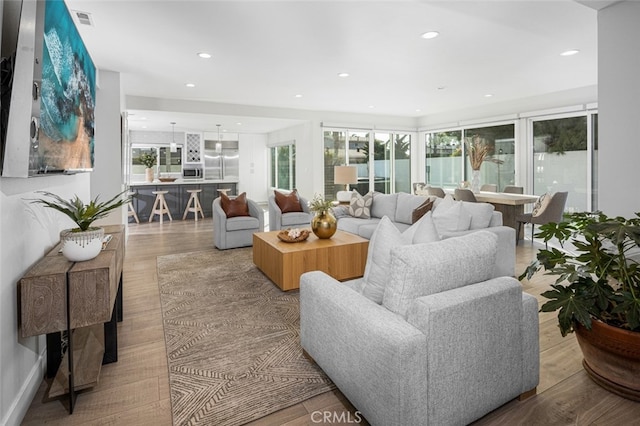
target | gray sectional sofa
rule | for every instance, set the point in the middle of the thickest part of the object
(400, 206)
(449, 342)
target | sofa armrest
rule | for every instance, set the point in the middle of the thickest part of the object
(370, 353)
(475, 343)
(275, 214)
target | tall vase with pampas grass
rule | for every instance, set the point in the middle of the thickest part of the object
(477, 150)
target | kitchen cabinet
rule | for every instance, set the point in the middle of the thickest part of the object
(177, 196)
(193, 148)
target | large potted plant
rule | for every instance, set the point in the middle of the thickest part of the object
(597, 293)
(85, 241)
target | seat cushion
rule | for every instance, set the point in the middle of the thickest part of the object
(240, 223)
(419, 270)
(288, 202)
(234, 207)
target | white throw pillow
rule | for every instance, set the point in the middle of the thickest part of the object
(481, 214)
(360, 206)
(425, 230)
(451, 216)
(384, 238)
(541, 204)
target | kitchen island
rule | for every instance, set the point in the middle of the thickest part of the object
(177, 196)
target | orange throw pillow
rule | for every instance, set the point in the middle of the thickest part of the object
(234, 206)
(288, 203)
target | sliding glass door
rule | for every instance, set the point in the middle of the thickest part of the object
(560, 159)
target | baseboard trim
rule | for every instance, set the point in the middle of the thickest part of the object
(22, 401)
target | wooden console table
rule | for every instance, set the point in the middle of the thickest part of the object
(85, 300)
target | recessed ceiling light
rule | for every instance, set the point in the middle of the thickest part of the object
(204, 55)
(418, 110)
(144, 127)
(343, 74)
(430, 34)
(570, 52)
(488, 95)
(190, 85)
(297, 96)
(372, 106)
(238, 124)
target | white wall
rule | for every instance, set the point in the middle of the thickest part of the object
(305, 166)
(107, 176)
(28, 232)
(618, 108)
(253, 166)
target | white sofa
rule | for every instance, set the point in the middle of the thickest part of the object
(449, 342)
(468, 218)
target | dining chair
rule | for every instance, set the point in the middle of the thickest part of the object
(461, 194)
(512, 189)
(434, 190)
(543, 212)
(491, 187)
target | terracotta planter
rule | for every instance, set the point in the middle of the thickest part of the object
(612, 358)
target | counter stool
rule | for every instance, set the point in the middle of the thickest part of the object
(224, 190)
(132, 211)
(160, 206)
(193, 199)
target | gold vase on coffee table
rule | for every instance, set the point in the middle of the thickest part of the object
(324, 224)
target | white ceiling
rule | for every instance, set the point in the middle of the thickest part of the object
(266, 52)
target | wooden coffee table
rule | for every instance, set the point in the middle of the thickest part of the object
(342, 256)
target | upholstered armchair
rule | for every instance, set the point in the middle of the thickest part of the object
(281, 219)
(236, 231)
(450, 341)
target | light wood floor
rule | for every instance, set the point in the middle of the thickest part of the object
(135, 390)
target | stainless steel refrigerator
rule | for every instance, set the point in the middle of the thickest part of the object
(221, 160)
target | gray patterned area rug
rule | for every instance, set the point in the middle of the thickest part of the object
(232, 340)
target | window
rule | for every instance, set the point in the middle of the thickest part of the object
(387, 169)
(283, 166)
(447, 164)
(499, 166)
(443, 165)
(560, 159)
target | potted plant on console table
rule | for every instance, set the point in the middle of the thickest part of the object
(597, 294)
(85, 241)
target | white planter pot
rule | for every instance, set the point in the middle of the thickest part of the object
(82, 245)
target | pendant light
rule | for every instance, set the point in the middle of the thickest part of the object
(173, 145)
(219, 143)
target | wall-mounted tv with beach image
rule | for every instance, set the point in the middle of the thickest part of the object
(50, 110)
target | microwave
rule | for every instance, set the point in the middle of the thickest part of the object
(192, 173)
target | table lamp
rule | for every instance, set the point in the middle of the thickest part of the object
(345, 175)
